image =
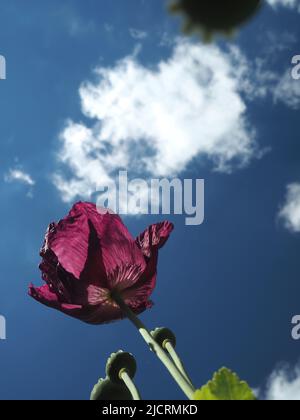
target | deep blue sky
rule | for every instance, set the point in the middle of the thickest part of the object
(228, 288)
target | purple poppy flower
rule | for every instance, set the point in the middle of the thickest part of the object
(88, 256)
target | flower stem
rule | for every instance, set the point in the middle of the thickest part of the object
(156, 348)
(176, 359)
(130, 385)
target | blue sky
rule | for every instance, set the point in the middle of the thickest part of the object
(226, 112)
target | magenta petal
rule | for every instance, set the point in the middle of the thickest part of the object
(44, 295)
(118, 248)
(150, 241)
(69, 240)
(154, 237)
(137, 298)
(70, 307)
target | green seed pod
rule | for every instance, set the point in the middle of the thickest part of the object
(120, 361)
(162, 335)
(211, 16)
(105, 390)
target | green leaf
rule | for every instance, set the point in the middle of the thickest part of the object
(225, 386)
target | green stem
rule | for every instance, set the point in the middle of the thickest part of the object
(156, 348)
(176, 359)
(130, 385)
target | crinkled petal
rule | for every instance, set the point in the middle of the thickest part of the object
(118, 248)
(150, 241)
(137, 298)
(44, 295)
(154, 238)
(94, 271)
(69, 240)
(58, 280)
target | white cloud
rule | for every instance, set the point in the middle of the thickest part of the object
(286, 3)
(284, 385)
(288, 91)
(138, 34)
(18, 175)
(72, 21)
(290, 212)
(155, 121)
(282, 88)
(258, 81)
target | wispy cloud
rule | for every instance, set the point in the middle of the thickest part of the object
(288, 91)
(77, 27)
(283, 385)
(18, 175)
(138, 34)
(166, 40)
(292, 4)
(258, 80)
(290, 212)
(155, 121)
(73, 22)
(109, 28)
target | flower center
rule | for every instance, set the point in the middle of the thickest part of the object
(98, 296)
